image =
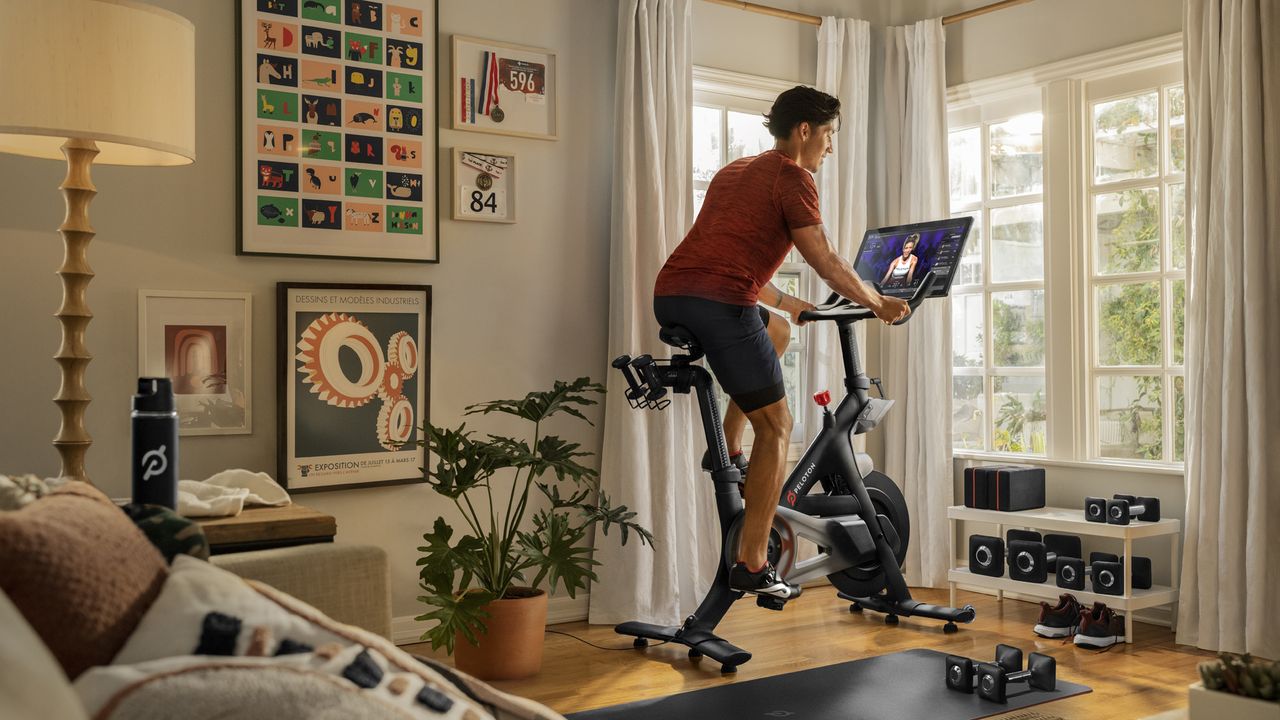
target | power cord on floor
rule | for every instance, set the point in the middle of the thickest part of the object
(601, 647)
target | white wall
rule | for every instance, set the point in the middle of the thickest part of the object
(1039, 32)
(515, 306)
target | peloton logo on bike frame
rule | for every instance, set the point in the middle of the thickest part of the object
(803, 487)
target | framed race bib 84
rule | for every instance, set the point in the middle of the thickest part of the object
(338, 129)
(504, 89)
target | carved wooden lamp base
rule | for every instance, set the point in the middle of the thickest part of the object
(72, 440)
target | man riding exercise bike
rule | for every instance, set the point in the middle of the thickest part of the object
(756, 209)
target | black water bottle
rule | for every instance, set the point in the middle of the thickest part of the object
(155, 444)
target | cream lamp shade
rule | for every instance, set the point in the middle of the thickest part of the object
(117, 72)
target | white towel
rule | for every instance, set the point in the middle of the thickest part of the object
(227, 493)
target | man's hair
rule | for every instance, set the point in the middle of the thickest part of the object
(797, 105)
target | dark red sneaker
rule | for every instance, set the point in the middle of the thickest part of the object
(1059, 621)
(1100, 627)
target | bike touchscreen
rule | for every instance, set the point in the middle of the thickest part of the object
(897, 258)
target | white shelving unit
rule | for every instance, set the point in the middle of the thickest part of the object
(1066, 520)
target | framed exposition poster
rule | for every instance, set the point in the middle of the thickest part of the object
(354, 384)
(484, 186)
(338, 129)
(503, 88)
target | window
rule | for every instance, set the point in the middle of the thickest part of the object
(1137, 276)
(1068, 308)
(728, 124)
(998, 389)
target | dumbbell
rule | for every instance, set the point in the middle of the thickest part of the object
(1107, 573)
(986, 555)
(994, 679)
(1122, 509)
(1033, 560)
(961, 671)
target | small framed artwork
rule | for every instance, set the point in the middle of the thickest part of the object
(503, 88)
(484, 186)
(354, 384)
(337, 127)
(200, 341)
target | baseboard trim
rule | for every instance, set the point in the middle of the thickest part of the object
(405, 630)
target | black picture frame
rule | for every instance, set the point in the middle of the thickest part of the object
(315, 366)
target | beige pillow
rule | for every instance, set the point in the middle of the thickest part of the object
(32, 686)
(80, 572)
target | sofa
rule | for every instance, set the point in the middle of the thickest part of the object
(96, 623)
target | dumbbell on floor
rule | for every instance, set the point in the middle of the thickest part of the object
(1122, 509)
(993, 679)
(961, 671)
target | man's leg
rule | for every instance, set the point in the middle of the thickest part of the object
(734, 420)
(772, 426)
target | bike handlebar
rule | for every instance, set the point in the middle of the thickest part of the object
(840, 308)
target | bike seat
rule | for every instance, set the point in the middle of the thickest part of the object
(679, 336)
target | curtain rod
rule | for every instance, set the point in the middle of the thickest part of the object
(815, 20)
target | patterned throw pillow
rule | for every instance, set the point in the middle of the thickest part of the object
(79, 572)
(171, 533)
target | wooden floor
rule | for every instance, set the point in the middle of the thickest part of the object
(1128, 681)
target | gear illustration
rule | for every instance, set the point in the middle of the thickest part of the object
(318, 353)
(395, 423)
(392, 387)
(402, 351)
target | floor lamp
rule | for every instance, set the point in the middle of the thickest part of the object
(111, 81)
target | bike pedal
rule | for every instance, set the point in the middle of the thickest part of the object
(770, 602)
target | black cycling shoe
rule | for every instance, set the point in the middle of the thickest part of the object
(763, 582)
(739, 461)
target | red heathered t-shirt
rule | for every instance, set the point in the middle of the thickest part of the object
(743, 232)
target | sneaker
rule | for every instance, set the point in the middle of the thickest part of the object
(738, 459)
(1100, 627)
(1060, 621)
(764, 581)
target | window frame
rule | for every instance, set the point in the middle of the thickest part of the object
(1068, 89)
(1118, 86)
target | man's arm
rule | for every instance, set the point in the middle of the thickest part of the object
(773, 296)
(813, 245)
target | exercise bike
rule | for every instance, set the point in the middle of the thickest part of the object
(860, 524)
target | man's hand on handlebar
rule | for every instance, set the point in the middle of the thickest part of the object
(798, 306)
(891, 309)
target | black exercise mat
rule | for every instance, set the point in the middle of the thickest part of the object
(908, 685)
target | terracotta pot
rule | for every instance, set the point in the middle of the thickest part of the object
(512, 647)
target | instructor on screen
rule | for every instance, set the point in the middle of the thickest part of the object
(903, 268)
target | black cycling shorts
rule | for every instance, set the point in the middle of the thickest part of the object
(737, 345)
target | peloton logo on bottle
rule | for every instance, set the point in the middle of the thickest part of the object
(154, 462)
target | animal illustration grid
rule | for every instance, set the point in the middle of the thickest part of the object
(340, 121)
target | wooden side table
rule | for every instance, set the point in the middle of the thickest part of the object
(259, 528)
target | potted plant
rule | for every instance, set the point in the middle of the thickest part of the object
(482, 584)
(1239, 687)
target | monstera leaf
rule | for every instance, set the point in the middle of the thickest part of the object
(462, 613)
(554, 548)
(441, 562)
(538, 406)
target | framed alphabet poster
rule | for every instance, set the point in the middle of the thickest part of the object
(354, 384)
(484, 186)
(503, 88)
(338, 129)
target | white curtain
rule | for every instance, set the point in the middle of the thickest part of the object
(844, 69)
(649, 460)
(1231, 561)
(915, 359)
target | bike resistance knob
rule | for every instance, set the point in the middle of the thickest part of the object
(822, 398)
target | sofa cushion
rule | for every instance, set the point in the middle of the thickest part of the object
(32, 686)
(80, 572)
